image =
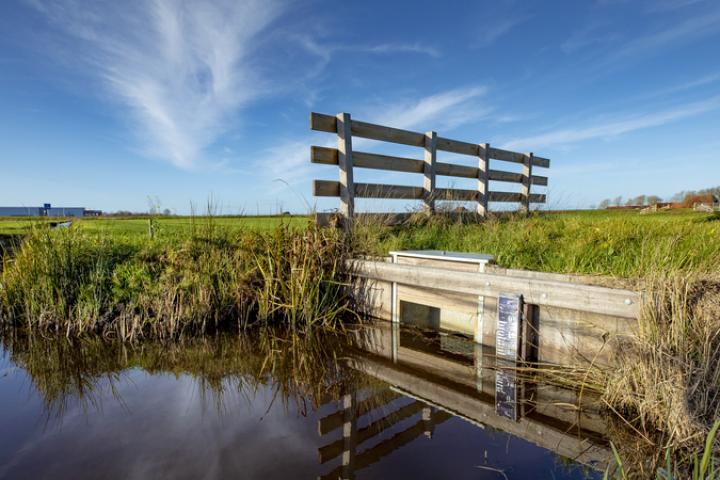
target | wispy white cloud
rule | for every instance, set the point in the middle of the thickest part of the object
(689, 85)
(679, 32)
(444, 110)
(594, 34)
(325, 51)
(183, 67)
(666, 5)
(492, 30)
(392, 48)
(614, 127)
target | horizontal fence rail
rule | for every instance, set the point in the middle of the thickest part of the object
(347, 159)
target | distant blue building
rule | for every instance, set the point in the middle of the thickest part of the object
(47, 210)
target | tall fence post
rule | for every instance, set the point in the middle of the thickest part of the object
(483, 179)
(347, 185)
(527, 181)
(429, 170)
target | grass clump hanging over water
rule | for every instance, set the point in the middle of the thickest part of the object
(77, 282)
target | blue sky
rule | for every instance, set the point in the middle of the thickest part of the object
(107, 103)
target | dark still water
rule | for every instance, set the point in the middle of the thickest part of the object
(384, 405)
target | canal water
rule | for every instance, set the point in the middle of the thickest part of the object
(376, 403)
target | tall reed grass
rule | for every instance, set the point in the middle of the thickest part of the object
(74, 282)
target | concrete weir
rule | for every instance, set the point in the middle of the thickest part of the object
(561, 319)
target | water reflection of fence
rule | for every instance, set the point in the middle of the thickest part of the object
(347, 160)
(353, 437)
(464, 384)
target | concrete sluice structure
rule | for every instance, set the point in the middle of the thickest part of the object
(563, 320)
(431, 377)
(451, 330)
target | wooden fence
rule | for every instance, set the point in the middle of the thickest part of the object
(347, 159)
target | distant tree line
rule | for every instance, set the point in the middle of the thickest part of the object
(687, 198)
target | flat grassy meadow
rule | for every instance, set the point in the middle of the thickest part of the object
(615, 243)
(139, 226)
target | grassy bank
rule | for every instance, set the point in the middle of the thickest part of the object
(615, 243)
(76, 282)
(168, 225)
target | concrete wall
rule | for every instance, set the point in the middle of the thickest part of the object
(562, 336)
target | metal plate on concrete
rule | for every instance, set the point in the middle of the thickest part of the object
(507, 333)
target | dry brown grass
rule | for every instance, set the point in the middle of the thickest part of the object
(667, 384)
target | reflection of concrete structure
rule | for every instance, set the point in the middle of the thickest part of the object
(445, 377)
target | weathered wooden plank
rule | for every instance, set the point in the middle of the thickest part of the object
(506, 155)
(323, 155)
(502, 176)
(456, 146)
(377, 190)
(538, 180)
(505, 197)
(330, 188)
(454, 170)
(429, 170)
(329, 156)
(323, 123)
(456, 194)
(344, 146)
(541, 162)
(387, 134)
(515, 157)
(463, 171)
(386, 162)
(326, 188)
(585, 298)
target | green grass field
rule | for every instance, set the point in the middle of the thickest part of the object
(616, 243)
(619, 243)
(138, 226)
